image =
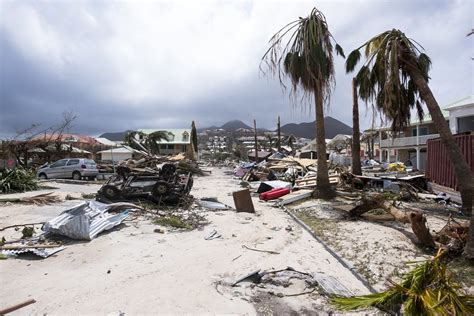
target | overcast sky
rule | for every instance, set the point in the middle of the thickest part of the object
(161, 64)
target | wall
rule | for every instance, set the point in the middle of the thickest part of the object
(439, 169)
(454, 114)
(117, 156)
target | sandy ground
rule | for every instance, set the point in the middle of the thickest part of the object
(132, 269)
(378, 250)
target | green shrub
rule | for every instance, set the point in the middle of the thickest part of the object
(17, 180)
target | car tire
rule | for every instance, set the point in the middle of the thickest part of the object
(42, 176)
(160, 189)
(76, 176)
(110, 192)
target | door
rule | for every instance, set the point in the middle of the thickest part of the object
(56, 169)
(72, 164)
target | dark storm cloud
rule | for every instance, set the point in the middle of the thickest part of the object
(132, 65)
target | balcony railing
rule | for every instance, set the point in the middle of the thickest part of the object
(406, 141)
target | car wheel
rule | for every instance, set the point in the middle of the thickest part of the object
(43, 176)
(76, 175)
(110, 192)
(160, 188)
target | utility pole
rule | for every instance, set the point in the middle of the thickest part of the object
(255, 140)
(279, 135)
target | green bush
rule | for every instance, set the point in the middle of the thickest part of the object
(17, 180)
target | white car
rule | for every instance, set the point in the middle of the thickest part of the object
(70, 168)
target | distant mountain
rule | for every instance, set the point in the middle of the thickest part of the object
(115, 136)
(229, 126)
(308, 130)
(235, 124)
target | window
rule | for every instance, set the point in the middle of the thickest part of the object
(465, 124)
(185, 136)
(423, 131)
(59, 163)
(72, 162)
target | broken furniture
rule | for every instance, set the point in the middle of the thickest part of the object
(243, 201)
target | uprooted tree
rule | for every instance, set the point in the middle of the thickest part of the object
(394, 78)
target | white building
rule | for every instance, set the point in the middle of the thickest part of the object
(116, 154)
(461, 115)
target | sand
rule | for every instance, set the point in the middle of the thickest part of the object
(132, 269)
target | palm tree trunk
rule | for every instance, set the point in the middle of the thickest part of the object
(323, 186)
(356, 167)
(461, 169)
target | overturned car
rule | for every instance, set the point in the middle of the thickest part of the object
(166, 185)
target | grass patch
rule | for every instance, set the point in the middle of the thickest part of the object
(173, 221)
(89, 196)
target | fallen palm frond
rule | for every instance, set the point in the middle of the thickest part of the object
(40, 199)
(426, 290)
(17, 180)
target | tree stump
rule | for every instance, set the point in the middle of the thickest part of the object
(418, 225)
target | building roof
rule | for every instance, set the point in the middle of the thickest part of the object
(118, 150)
(464, 102)
(177, 135)
(105, 141)
(311, 146)
(67, 138)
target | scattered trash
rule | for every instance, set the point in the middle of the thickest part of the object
(260, 250)
(213, 205)
(254, 277)
(213, 235)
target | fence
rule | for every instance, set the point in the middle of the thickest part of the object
(439, 168)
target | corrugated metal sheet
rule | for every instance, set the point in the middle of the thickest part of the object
(42, 252)
(85, 221)
(439, 168)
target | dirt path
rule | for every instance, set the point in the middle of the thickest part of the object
(135, 270)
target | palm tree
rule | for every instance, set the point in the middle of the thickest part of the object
(152, 139)
(307, 60)
(291, 141)
(356, 166)
(130, 139)
(395, 79)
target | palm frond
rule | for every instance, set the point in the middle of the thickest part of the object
(425, 290)
(339, 50)
(352, 60)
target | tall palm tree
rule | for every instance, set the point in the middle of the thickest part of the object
(356, 166)
(395, 78)
(130, 139)
(152, 139)
(307, 60)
